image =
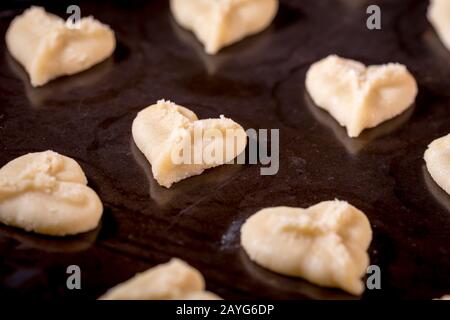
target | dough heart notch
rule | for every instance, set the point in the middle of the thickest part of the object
(48, 48)
(360, 97)
(219, 23)
(175, 280)
(439, 17)
(178, 145)
(47, 193)
(437, 159)
(325, 244)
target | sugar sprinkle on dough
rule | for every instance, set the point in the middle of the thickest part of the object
(437, 159)
(175, 280)
(219, 23)
(47, 193)
(439, 17)
(325, 244)
(163, 129)
(48, 48)
(360, 97)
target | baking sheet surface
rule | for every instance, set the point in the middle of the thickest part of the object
(260, 84)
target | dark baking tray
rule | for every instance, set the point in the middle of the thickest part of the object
(259, 83)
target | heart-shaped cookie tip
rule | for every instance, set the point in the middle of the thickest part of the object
(218, 24)
(175, 280)
(49, 48)
(47, 193)
(437, 159)
(439, 17)
(178, 145)
(325, 244)
(360, 97)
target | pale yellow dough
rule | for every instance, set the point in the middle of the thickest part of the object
(437, 159)
(439, 17)
(360, 97)
(162, 128)
(325, 244)
(175, 280)
(219, 23)
(48, 48)
(47, 193)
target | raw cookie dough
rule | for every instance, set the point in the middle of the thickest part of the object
(163, 129)
(175, 280)
(437, 159)
(360, 97)
(48, 48)
(439, 17)
(219, 23)
(325, 244)
(47, 193)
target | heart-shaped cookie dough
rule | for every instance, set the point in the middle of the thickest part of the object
(49, 48)
(219, 23)
(360, 97)
(325, 244)
(439, 17)
(175, 280)
(162, 130)
(47, 193)
(437, 159)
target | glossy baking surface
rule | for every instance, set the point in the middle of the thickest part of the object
(260, 84)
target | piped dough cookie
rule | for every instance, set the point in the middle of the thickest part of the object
(439, 17)
(178, 145)
(48, 48)
(325, 244)
(47, 193)
(437, 159)
(219, 23)
(360, 97)
(175, 280)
